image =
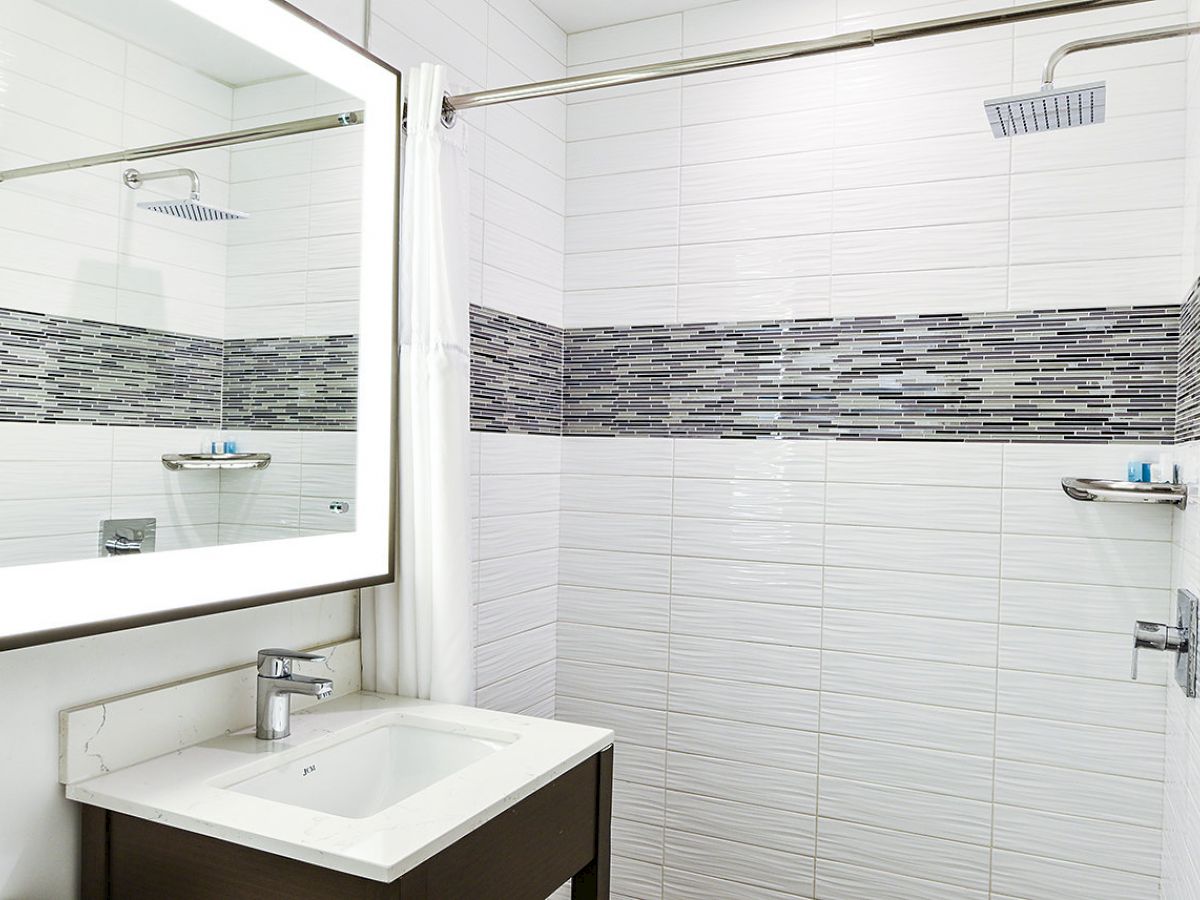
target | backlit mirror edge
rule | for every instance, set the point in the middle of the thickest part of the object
(181, 584)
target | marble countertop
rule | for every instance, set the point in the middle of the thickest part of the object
(186, 789)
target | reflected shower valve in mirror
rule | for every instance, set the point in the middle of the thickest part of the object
(339, 507)
(126, 537)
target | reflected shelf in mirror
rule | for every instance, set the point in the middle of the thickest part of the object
(179, 461)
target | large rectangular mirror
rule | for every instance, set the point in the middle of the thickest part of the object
(198, 231)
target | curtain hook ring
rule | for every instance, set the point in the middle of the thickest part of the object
(449, 113)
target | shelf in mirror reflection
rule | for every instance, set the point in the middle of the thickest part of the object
(181, 461)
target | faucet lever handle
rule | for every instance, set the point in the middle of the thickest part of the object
(277, 663)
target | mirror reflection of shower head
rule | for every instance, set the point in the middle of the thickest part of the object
(1051, 108)
(189, 208)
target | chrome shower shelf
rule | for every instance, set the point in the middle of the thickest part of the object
(177, 461)
(1125, 491)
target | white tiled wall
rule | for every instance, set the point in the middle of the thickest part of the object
(74, 243)
(516, 500)
(293, 265)
(855, 669)
(867, 182)
(1181, 802)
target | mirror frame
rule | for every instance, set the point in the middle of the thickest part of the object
(58, 601)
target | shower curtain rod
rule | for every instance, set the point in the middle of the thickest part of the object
(794, 50)
(224, 139)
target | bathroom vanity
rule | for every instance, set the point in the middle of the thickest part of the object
(371, 796)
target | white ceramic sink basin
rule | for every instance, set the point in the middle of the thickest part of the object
(370, 772)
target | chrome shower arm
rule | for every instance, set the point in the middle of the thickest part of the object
(1112, 40)
(135, 179)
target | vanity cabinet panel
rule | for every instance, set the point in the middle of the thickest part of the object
(559, 832)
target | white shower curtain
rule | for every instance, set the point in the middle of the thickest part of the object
(416, 632)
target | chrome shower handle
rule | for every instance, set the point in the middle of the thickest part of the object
(1156, 636)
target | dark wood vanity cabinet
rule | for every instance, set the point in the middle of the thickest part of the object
(560, 832)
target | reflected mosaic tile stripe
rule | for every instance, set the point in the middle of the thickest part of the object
(294, 383)
(1045, 375)
(516, 374)
(1187, 415)
(60, 369)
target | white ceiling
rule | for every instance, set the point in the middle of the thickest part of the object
(580, 15)
(173, 32)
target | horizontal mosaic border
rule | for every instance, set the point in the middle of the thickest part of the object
(1091, 375)
(291, 383)
(1187, 413)
(516, 374)
(59, 369)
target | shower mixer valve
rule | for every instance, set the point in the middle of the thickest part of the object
(1181, 638)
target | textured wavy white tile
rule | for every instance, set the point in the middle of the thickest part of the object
(841, 881)
(1039, 878)
(934, 815)
(623, 153)
(932, 727)
(647, 189)
(508, 616)
(768, 623)
(1090, 748)
(762, 299)
(519, 692)
(1084, 700)
(1130, 848)
(627, 39)
(636, 800)
(613, 684)
(1087, 561)
(913, 768)
(637, 840)
(738, 780)
(780, 542)
(1053, 789)
(614, 646)
(765, 704)
(684, 885)
(765, 177)
(909, 549)
(914, 681)
(912, 593)
(1090, 654)
(764, 745)
(746, 863)
(913, 855)
(622, 230)
(517, 574)
(1082, 607)
(799, 131)
(632, 724)
(740, 580)
(619, 609)
(740, 661)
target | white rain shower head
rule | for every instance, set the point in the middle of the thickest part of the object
(189, 208)
(192, 209)
(1050, 109)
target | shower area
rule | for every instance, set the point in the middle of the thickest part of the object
(778, 371)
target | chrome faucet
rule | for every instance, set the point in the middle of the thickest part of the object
(276, 684)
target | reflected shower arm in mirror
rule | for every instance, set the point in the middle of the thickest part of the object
(228, 47)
